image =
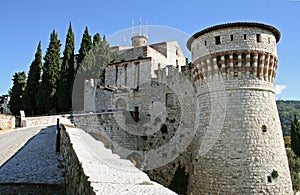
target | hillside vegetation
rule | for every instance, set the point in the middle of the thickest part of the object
(287, 109)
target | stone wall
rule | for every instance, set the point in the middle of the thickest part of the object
(7, 121)
(44, 120)
(90, 168)
(76, 180)
(206, 44)
(166, 100)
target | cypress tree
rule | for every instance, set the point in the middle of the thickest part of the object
(295, 136)
(96, 39)
(33, 82)
(47, 93)
(85, 46)
(64, 98)
(78, 93)
(19, 82)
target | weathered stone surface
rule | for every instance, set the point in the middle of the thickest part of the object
(239, 139)
(249, 145)
(7, 121)
(93, 169)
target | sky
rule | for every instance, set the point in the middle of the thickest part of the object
(24, 23)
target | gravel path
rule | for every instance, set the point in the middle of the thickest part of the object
(36, 163)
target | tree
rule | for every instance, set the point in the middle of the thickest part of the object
(295, 136)
(85, 46)
(294, 165)
(19, 82)
(93, 66)
(47, 93)
(64, 98)
(33, 83)
(96, 39)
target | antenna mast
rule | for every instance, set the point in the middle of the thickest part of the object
(132, 28)
(141, 30)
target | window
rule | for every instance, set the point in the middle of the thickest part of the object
(269, 179)
(205, 43)
(264, 128)
(169, 99)
(177, 52)
(218, 40)
(269, 40)
(231, 37)
(258, 38)
(245, 36)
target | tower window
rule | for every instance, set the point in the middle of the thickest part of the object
(231, 37)
(264, 128)
(269, 40)
(245, 36)
(258, 38)
(269, 179)
(169, 99)
(218, 40)
(205, 43)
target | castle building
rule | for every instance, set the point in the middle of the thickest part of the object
(238, 145)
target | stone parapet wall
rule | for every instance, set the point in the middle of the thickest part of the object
(90, 168)
(243, 38)
(7, 121)
(76, 180)
(44, 120)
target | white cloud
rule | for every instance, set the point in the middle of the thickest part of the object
(279, 89)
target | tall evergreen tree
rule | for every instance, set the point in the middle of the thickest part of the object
(33, 83)
(47, 93)
(85, 46)
(64, 98)
(19, 82)
(295, 136)
(96, 39)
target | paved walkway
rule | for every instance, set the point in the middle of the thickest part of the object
(12, 140)
(35, 163)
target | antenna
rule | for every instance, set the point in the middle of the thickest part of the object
(132, 28)
(141, 30)
(146, 28)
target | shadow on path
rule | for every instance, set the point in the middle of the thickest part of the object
(35, 168)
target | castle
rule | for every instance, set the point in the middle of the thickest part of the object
(209, 127)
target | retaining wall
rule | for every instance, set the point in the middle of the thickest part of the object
(7, 121)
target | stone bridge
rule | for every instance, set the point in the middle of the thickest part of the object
(29, 163)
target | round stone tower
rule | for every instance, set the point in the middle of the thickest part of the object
(139, 40)
(239, 147)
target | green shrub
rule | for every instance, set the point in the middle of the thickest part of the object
(274, 174)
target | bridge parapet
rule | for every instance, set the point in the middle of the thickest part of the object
(93, 169)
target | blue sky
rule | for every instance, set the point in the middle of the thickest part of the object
(24, 23)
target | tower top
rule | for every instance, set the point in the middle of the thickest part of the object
(272, 29)
(139, 38)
